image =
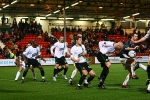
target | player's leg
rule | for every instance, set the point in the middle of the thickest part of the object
(82, 78)
(33, 73)
(73, 75)
(60, 68)
(103, 65)
(57, 61)
(103, 74)
(24, 74)
(65, 71)
(91, 77)
(133, 65)
(127, 79)
(42, 72)
(140, 65)
(18, 73)
(148, 74)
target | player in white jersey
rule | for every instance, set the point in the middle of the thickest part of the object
(59, 56)
(130, 63)
(61, 67)
(20, 63)
(148, 66)
(77, 56)
(107, 48)
(30, 55)
(75, 70)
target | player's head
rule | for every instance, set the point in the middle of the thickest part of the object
(78, 40)
(79, 34)
(61, 39)
(134, 37)
(29, 44)
(34, 43)
(118, 45)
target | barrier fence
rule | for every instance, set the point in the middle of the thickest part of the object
(51, 61)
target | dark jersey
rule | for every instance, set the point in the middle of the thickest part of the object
(127, 44)
(72, 44)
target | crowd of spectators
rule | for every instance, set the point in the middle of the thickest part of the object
(90, 38)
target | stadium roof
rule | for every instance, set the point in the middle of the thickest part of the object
(97, 9)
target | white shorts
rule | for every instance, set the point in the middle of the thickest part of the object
(126, 63)
(22, 65)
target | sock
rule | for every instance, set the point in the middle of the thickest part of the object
(24, 74)
(90, 79)
(17, 75)
(59, 70)
(34, 75)
(104, 71)
(143, 66)
(148, 71)
(73, 74)
(132, 69)
(55, 72)
(85, 81)
(65, 70)
(82, 79)
(126, 80)
(42, 73)
(105, 75)
(148, 87)
(43, 77)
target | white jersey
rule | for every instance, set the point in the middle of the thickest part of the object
(38, 49)
(76, 53)
(65, 51)
(31, 52)
(147, 35)
(106, 47)
(59, 49)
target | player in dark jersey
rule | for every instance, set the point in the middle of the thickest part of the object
(128, 62)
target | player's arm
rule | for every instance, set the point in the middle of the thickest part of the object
(84, 50)
(141, 40)
(25, 54)
(52, 48)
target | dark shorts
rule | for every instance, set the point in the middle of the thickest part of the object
(60, 61)
(102, 57)
(83, 66)
(33, 62)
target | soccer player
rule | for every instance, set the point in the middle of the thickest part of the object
(30, 55)
(77, 56)
(20, 63)
(61, 67)
(148, 66)
(107, 48)
(129, 63)
(75, 70)
(59, 47)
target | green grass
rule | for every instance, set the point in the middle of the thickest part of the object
(61, 90)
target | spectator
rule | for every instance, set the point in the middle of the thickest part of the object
(7, 53)
(40, 36)
(1, 50)
(71, 36)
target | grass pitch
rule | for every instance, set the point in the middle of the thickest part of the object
(61, 90)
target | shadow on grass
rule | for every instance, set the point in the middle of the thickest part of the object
(142, 90)
(15, 91)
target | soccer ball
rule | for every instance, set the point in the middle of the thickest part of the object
(132, 54)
